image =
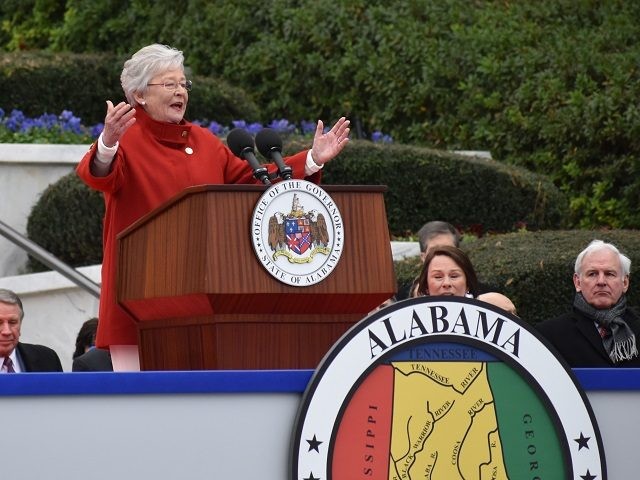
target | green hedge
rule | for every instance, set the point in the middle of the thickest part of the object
(67, 222)
(474, 194)
(38, 82)
(551, 85)
(535, 269)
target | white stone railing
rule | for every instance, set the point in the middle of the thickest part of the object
(26, 170)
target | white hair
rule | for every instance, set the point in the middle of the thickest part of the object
(11, 298)
(597, 245)
(145, 64)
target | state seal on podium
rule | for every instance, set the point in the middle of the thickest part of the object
(297, 232)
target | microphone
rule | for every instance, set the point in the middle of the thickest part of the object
(269, 145)
(240, 142)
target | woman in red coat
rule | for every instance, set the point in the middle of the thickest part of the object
(147, 153)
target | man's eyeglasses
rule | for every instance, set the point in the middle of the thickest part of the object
(173, 86)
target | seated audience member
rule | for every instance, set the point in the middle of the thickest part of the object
(88, 358)
(601, 330)
(431, 234)
(437, 233)
(499, 300)
(86, 338)
(447, 270)
(16, 356)
(94, 360)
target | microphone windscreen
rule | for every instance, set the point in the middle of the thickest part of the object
(239, 140)
(267, 140)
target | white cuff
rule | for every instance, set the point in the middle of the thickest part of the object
(105, 154)
(311, 167)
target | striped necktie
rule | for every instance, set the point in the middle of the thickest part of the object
(7, 366)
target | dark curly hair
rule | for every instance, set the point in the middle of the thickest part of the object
(86, 336)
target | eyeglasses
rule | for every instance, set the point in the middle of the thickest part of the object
(173, 86)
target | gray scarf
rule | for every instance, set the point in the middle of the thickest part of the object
(621, 344)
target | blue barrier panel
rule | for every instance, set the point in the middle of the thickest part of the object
(231, 381)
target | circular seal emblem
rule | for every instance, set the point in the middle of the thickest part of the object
(444, 388)
(297, 232)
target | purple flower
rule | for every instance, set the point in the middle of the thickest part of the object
(254, 128)
(66, 115)
(379, 137)
(282, 126)
(13, 123)
(26, 125)
(216, 128)
(96, 130)
(69, 122)
(48, 120)
(307, 127)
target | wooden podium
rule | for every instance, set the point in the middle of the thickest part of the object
(189, 275)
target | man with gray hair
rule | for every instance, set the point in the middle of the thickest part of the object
(14, 355)
(431, 234)
(601, 330)
(437, 232)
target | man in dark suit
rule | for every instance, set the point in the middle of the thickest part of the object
(601, 330)
(16, 356)
(88, 358)
(93, 360)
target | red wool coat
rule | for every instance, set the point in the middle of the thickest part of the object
(154, 162)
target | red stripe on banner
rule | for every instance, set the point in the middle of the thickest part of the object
(362, 445)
